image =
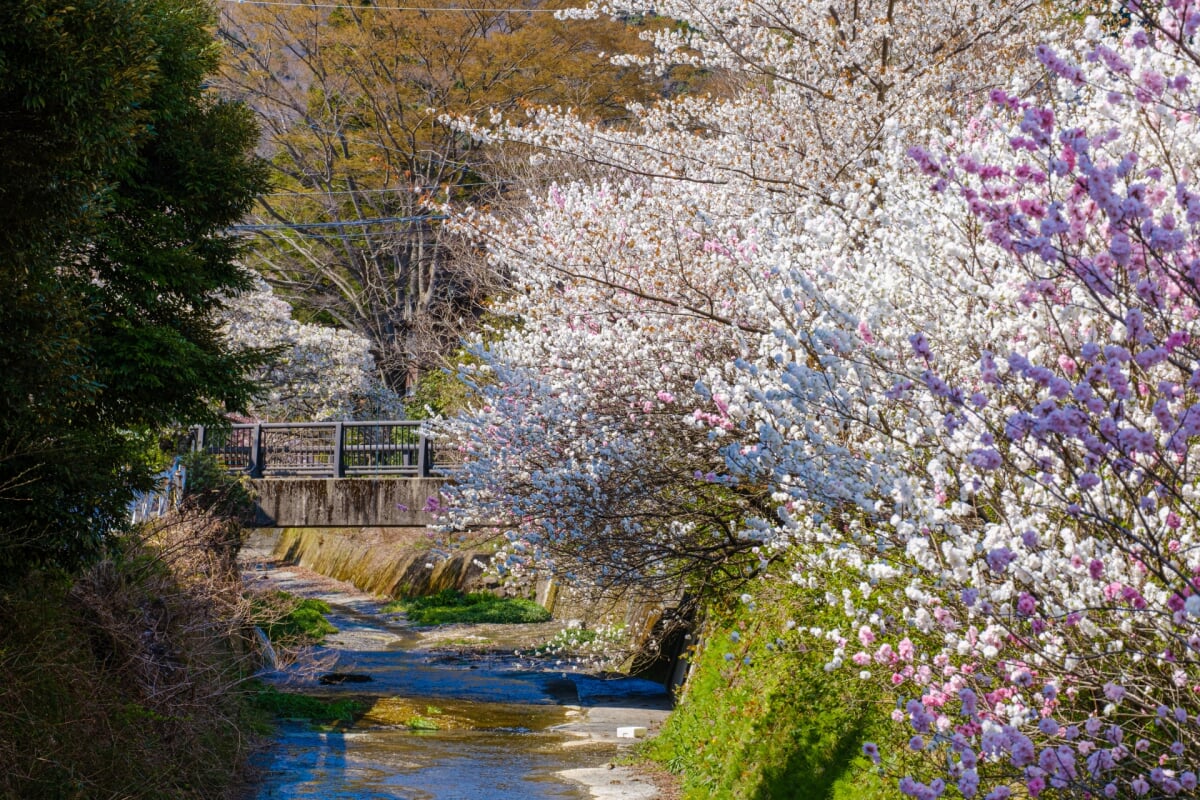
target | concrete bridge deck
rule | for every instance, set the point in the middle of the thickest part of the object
(382, 502)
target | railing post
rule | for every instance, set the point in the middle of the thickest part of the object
(422, 457)
(198, 441)
(339, 442)
(256, 465)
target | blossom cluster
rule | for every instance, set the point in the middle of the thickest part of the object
(952, 356)
(319, 373)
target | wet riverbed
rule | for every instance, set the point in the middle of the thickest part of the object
(450, 765)
(441, 723)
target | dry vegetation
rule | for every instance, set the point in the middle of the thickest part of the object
(122, 682)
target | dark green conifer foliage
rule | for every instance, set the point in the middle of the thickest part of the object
(119, 172)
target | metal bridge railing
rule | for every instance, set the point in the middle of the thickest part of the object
(322, 449)
(167, 493)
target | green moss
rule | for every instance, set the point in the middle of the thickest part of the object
(419, 723)
(762, 719)
(293, 705)
(451, 605)
(289, 620)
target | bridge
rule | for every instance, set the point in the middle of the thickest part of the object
(341, 449)
(347, 473)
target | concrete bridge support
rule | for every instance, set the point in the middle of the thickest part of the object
(378, 502)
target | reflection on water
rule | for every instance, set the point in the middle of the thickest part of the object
(453, 714)
(366, 764)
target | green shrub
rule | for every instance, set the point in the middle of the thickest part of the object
(597, 645)
(451, 605)
(210, 486)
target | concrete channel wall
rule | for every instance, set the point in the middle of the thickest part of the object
(344, 502)
(391, 562)
(404, 561)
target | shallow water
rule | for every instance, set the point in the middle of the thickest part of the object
(417, 765)
(494, 719)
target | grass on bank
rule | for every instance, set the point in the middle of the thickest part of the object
(451, 605)
(763, 720)
(324, 713)
(291, 621)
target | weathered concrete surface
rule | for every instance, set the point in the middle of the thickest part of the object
(389, 562)
(344, 502)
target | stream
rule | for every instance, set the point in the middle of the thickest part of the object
(445, 721)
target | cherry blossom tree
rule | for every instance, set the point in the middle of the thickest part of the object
(320, 372)
(941, 356)
(651, 274)
(1015, 489)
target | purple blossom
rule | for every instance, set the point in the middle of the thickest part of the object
(987, 369)
(970, 704)
(986, 458)
(925, 161)
(999, 559)
(1021, 752)
(920, 346)
(1026, 604)
(920, 718)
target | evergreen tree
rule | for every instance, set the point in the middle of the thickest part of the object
(119, 172)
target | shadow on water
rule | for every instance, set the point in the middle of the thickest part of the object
(379, 658)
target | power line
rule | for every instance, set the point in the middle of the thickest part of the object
(433, 9)
(293, 234)
(406, 189)
(282, 226)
